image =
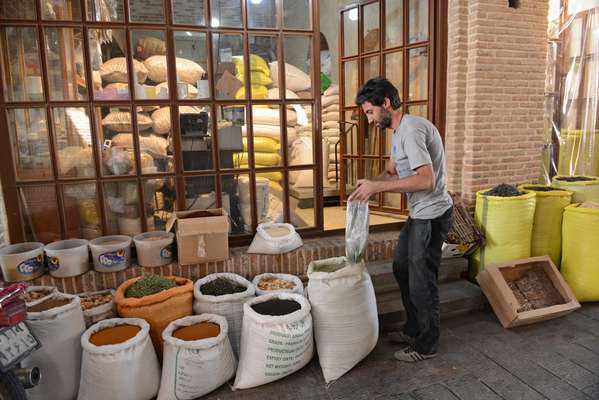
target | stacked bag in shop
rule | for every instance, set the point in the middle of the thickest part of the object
(331, 131)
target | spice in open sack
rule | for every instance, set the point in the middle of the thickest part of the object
(356, 230)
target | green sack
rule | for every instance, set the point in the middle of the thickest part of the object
(507, 225)
(547, 225)
(582, 190)
(580, 251)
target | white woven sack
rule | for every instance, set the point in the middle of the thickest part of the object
(346, 325)
(193, 368)
(32, 288)
(265, 242)
(59, 358)
(101, 312)
(298, 288)
(128, 370)
(229, 306)
(273, 347)
(296, 80)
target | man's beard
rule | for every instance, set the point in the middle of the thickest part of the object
(385, 122)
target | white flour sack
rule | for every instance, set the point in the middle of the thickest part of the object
(59, 359)
(229, 306)
(346, 325)
(126, 370)
(192, 368)
(276, 340)
(275, 238)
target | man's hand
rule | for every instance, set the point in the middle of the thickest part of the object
(364, 190)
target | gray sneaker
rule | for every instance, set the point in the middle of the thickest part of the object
(401, 338)
(409, 354)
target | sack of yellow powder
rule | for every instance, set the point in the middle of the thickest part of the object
(198, 357)
(158, 309)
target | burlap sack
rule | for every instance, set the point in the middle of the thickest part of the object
(115, 70)
(120, 121)
(187, 70)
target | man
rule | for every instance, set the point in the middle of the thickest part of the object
(416, 167)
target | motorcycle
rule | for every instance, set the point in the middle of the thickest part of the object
(17, 342)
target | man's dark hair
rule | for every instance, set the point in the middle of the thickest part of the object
(375, 90)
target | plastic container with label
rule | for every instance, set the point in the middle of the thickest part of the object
(154, 249)
(68, 258)
(111, 253)
(22, 261)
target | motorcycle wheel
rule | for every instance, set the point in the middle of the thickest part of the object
(11, 388)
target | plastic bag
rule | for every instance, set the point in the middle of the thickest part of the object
(356, 231)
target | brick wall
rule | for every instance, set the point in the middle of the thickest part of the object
(495, 86)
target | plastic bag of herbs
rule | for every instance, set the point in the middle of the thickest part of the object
(159, 300)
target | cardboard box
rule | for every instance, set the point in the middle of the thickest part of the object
(494, 279)
(202, 235)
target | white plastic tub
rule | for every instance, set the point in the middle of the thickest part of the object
(111, 253)
(67, 257)
(22, 261)
(154, 248)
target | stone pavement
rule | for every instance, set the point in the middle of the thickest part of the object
(478, 360)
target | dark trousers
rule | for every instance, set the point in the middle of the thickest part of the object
(416, 268)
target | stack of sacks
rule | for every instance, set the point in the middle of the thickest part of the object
(331, 130)
(260, 77)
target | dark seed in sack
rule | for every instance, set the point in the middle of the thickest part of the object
(575, 178)
(148, 285)
(203, 330)
(541, 188)
(276, 307)
(114, 335)
(48, 304)
(221, 286)
(503, 190)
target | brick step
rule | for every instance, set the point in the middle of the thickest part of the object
(456, 298)
(383, 280)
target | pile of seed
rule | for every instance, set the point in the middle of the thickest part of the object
(574, 178)
(221, 286)
(541, 188)
(149, 284)
(503, 190)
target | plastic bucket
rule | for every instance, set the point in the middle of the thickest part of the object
(22, 261)
(111, 253)
(67, 257)
(154, 248)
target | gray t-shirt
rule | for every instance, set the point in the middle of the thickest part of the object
(417, 142)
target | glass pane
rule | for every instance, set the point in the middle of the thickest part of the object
(232, 135)
(393, 23)
(392, 199)
(82, 210)
(299, 124)
(155, 143)
(22, 70)
(146, 11)
(74, 147)
(236, 199)
(351, 176)
(150, 57)
(418, 20)
(371, 170)
(350, 77)
(372, 33)
(262, 14)
(266, 136)
(110, 72)
(351, 132)
(160, 200)
(23, 9)
(418, 74)
(200, 193)
(192, 65)
(196, 138)
(371, 68)
(388, 141)
(394, 70)
(39, 213)
(105, 11)
(225, 47)
(297, 14)
(115, 138)
(301, 198)
(188, 12)
(269, 204)
(121, 203)
(420, 110)
(29, 137)
(372, 138)
(63, 10)
(298, 64)
(66, 67)
(225, 13)
(350, 32)
(263, 51)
